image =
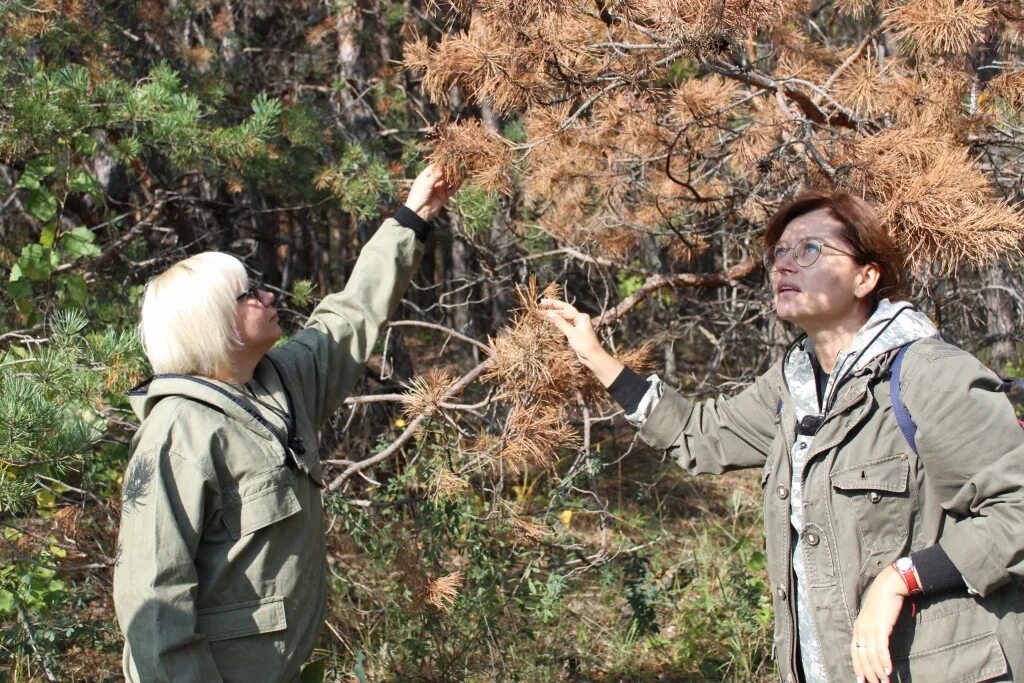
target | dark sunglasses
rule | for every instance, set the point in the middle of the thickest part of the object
(251, 292)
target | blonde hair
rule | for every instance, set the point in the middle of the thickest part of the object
(188, 314)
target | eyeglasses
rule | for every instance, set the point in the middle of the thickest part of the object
(251, 292)
(805, 252)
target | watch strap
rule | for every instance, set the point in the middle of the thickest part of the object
(908, 575)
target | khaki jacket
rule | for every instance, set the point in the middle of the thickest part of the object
(221, 567)
(868, 499)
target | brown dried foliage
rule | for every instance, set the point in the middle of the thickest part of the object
(604, 117)
(1007, 90)
(426, 393)
(445, 484)
(443, 591)
(699, 98)
(937, 27)
(466, 149)
(527, 532)
(535, 432)
(939, 204)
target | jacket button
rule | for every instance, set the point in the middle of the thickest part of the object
(803, 445)
(812, 539)
(780, 592)
(782, 492)
(874, 496)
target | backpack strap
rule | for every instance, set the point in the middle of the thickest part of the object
(1008, 385)
(903, 418)
(899, 409)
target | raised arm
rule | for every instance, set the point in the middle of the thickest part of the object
(329, 354)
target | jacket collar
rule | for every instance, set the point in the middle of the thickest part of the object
(221, 396)
(890, 326)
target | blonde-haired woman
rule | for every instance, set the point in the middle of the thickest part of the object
(221, 565)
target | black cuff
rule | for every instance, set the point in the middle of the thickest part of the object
(628, 390)
(411, 220)
(937, 572)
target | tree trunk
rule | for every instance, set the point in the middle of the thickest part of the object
(999, 316)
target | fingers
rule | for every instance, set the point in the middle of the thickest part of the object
(561, 323)
(558, 305)
(870, 655)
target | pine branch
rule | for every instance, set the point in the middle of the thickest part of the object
(656, 282)
(410, 430)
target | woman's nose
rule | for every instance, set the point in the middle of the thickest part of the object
(267, 297)
(785, 263)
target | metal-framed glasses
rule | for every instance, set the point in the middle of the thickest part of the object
(251, 292)
(805, 252)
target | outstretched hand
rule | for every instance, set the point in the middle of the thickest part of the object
(429, 192)
(579, 332)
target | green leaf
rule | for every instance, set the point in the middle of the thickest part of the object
(35, 172)
(6, 601)
(48, 235)
(79, 242)
(75, 288)
(84, 182)
(36, 263)
(41, 204)
(28, 182)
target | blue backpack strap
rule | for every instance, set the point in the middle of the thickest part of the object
(1008, 385)
(903, 418)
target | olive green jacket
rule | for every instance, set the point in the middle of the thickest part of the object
(221, 567)
(868, 499)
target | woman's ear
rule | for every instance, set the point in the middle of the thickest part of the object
(867, 280)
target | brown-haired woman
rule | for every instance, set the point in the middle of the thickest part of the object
(890, 557)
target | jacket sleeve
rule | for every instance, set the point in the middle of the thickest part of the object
(972, 450)
(329, 354)
(165, 498)
(719, 434)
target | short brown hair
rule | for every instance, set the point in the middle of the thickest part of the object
(862, 231)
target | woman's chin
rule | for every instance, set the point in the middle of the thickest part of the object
(786, 311)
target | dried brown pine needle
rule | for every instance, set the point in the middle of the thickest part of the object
(466, 149)
(940, 206)
(66, 518)
(527, 532)
(862, 87)
(534, 434)
(445, 484)
(699, 98)
(315, 36)
(426, 393)
(935, 27)
(1007, 92)
(443, 591)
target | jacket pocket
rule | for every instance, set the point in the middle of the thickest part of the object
(242, 619)
(976, 659)
(877, 492)
(260, 502)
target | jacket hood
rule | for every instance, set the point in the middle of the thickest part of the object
(892, 325)
(145, 398)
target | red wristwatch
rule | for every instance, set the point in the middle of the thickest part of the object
(905, 568)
